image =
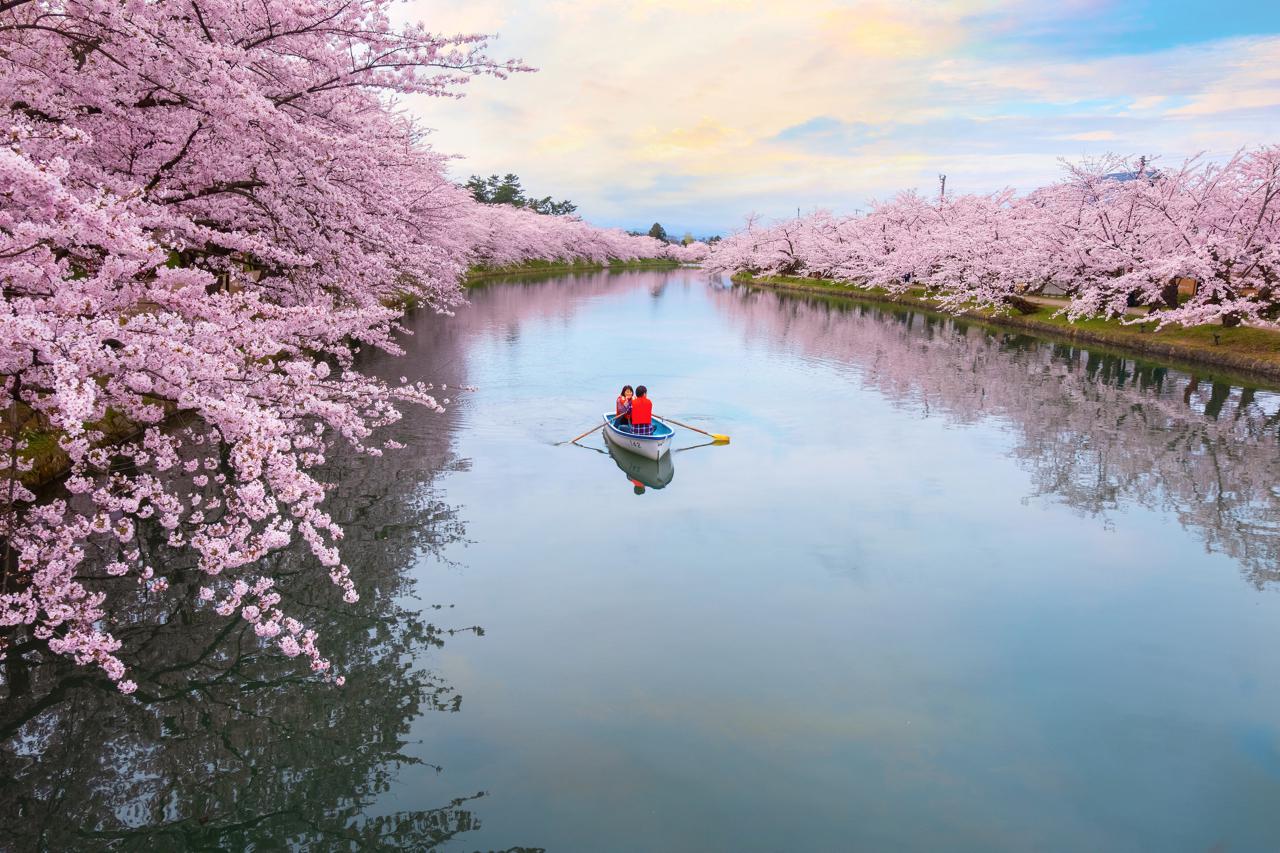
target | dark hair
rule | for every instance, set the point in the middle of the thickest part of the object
(625, 389)
(641, 391)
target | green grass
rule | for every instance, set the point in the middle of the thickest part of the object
(1238, 348)
(1260, 344)
(477, 274)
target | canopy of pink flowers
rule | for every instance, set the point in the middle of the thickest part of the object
(207, 209)
(1110, 235)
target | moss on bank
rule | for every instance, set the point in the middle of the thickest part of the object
(1239, 349)
(43, 450)
(478, 274)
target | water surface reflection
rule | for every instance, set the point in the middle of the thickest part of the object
(948, 588)
(1096, 430)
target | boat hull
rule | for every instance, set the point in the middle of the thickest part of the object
(649, 446)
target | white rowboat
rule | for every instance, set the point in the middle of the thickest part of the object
(651, 445)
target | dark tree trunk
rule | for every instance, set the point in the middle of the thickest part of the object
(1022, 306)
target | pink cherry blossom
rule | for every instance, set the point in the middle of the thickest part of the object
(289, 646)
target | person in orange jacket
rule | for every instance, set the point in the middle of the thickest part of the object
(641, 412)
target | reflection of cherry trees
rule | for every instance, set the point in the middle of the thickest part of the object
(1096, 431)
(225, 744)
(519, 300)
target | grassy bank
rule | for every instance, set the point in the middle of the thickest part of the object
(478, 274)
(1253, 352)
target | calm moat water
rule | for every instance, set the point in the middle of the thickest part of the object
(947, 588)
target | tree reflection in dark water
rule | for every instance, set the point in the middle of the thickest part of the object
(227, 745)
(1096, 430)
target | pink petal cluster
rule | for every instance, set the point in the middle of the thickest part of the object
(207, 209)
(1113, 234)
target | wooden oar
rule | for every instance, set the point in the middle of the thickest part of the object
(584, 435)
(720, 439)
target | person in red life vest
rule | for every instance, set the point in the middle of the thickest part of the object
(642, 412)
(623, 408)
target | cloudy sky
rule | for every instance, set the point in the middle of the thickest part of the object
(698, 112)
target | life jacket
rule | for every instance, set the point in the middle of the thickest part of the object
(641, 411)
(622, 406)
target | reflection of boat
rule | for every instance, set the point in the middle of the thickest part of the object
(654, 445)
(644, 472)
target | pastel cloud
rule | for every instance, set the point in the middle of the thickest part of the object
(695, 114)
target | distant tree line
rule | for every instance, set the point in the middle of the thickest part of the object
(657, 232)
(507, 190)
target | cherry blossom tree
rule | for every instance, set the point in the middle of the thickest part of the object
(1112, 235)
(1220, 225)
